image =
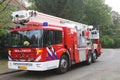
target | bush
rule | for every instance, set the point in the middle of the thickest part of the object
(107, 42)
(117, 42)
(3, 48)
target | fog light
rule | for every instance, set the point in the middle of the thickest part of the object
(39, 65)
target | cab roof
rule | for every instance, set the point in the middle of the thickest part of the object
(36, 26)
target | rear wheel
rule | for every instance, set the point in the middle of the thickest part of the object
(63, 65)
(89, 60)
(94, 57)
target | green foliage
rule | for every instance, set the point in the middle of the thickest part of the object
(107, 41)
(5, 22)
(97, 12)
(5, 15)
(3, 49)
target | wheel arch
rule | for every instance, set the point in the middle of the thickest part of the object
(67, 54)
(63, 56)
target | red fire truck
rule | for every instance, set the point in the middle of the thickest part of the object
(45, 42)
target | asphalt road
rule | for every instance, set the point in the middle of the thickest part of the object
(107, 67)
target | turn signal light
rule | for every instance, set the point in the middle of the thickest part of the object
(39, 51)
(9, 51)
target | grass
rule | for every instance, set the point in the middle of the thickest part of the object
(3, 66)
(3, 62)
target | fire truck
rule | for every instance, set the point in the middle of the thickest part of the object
(41, 42)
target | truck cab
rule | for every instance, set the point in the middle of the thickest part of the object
(35, 45)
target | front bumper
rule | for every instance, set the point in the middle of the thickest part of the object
(33, 66)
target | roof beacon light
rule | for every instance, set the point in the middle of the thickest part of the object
(17, 27)
(45, 23)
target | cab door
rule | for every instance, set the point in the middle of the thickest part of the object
(53, 43)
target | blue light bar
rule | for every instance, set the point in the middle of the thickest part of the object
(45, 23)
(17, 27)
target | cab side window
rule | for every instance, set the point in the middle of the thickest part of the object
(52, 37)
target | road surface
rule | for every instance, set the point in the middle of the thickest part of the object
(107, 67)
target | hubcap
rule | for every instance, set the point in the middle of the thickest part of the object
(94, 55)
(64, 63)
(89, 59)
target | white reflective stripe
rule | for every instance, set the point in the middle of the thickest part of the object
(53, 50)
(37, 53)
(38, 58)
(9, 58)
(55, 53)
(49, 51)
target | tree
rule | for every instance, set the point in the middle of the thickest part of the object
(107, 41)
(116, 28)
(116, 19)
(97, 13)
(5, 21)
(5, 14)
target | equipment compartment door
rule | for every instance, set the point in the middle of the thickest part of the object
(82, 54)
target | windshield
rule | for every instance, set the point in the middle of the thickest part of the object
(30, 38)
(35, 38)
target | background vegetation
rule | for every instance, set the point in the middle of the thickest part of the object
(5, 23)
(91, 12)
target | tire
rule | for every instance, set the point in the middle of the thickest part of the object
(94, 57)
(89, 60)
(63, 65)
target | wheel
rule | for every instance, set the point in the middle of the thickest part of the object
(94, 57)
(89, 60)
(63, 65)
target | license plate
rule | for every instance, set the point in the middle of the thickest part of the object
(22, 67)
